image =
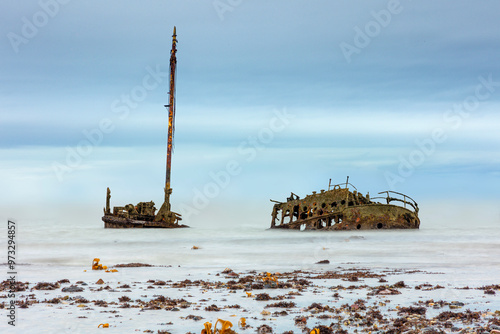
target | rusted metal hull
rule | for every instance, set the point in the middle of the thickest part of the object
(121, 222)
(342, 209)
(143, 214)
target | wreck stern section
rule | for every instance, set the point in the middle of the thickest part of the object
(342, 209)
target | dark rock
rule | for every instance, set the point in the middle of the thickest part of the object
(262, 296)
(46, 286)
(213, 308)
(72, 288)
(264, 329)
(282, 304)
(413, 310)
(133, 265)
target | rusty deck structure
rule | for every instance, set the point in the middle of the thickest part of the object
(143, 215)
(342, 207)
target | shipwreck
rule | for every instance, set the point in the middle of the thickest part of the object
(342, 207)
(143, 215)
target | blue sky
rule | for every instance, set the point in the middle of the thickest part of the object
(272, 97)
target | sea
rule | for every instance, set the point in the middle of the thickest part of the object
(464, 251)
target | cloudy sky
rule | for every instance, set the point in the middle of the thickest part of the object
(272, 97)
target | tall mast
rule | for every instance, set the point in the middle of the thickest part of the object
(171, 117)
(165, 214)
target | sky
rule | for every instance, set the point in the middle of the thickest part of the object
(272, 97)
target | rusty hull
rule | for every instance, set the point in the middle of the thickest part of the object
(141, 215)
(122, 222)
(343, 209)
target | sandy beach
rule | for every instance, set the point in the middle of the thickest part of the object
(172, 299)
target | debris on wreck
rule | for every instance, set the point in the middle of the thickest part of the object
(143, 214)
(340, 208)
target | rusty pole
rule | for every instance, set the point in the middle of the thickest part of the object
(171, 117)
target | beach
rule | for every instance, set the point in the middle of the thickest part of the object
(165, 281)
(333, 299)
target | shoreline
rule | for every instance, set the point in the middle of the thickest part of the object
(172, 299)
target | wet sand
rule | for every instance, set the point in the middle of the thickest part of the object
(152, 299)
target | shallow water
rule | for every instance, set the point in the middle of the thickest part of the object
(254, 247)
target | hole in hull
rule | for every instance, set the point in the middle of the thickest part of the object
(295, 213)
(321, 224)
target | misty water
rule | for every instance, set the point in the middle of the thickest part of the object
(457, 250)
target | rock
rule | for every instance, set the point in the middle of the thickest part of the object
(212, 308)
(387, 292)
(323, 262)
(400, 284)
(262, 296)
(72, 288)
(133, 265)
(264, 329)
(194, 317)
(46, 286)
(100, 281)
(455, 304)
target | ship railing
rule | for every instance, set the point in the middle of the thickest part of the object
(405, 199)
(345, 185)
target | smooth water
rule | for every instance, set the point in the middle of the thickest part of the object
(255, 247)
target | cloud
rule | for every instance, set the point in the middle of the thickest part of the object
(355, 119)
